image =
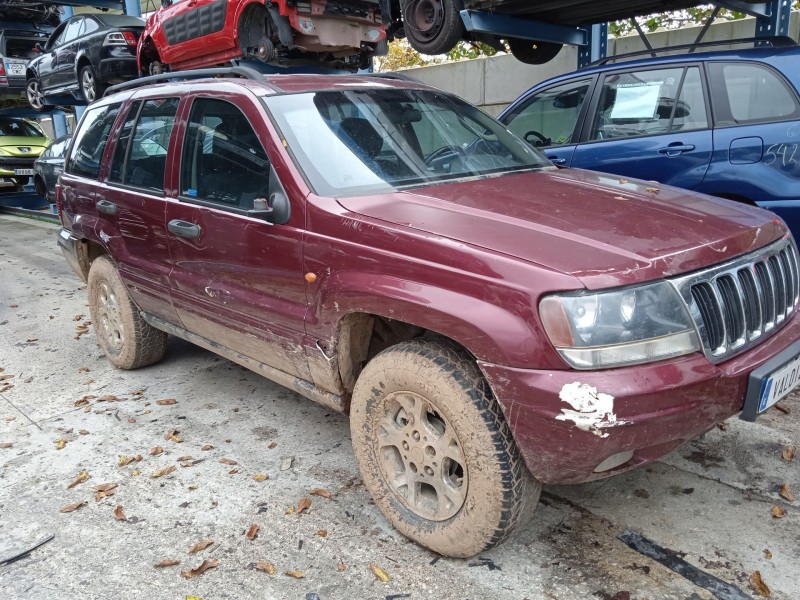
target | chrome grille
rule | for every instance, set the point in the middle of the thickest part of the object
(738, 303)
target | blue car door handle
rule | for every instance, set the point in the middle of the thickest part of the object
(675, 149)
(184, 229)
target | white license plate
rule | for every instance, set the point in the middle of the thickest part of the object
(17, 70)
(23, 171)
(777, 385)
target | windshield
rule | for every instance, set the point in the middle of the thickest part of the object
(19, 127)
(373, 140)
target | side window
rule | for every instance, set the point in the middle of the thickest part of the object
(140, 157)
(636, 103)
(90, 26)
(754, 93)
(73, 30)
(90, 141)
(549, 118)
(690, 111)
(223, 160)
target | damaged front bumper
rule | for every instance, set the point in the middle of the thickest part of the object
(576, 426)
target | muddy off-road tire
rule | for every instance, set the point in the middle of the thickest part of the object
(127, 340)
(434, 449)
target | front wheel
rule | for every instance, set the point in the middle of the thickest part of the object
(91, 88)
(434, 449)
(34, 95)
(128, 341)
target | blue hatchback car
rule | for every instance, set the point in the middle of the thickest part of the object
(721, 123)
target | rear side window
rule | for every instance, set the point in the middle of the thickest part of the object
(140, 156)
(754, 94)
(90, 141)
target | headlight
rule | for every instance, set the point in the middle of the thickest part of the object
(622, 327)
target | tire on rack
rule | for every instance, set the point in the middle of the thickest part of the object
(532, 52)
(432, 26)
(127, 340)
(34, 95)
(90, 88)
(434, 449)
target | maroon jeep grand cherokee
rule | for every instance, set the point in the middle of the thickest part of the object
(489, 321)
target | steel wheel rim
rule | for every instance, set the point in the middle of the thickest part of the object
(87, 82)
(427, 18)
(35, 95)
(110, 317)
(420, 457)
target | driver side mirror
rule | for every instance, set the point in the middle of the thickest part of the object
(275, 209)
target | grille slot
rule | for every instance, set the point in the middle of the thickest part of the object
(737, 304)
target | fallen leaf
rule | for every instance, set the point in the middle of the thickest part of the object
(788, 453)
(84, 370)
(622, 181)
(322, 533)
(169, 434)
(200, 546)
(193, 486)
(767, 554)
(137, 392)
(184, 458)
(81, 402)
(61, 444)
(156, 450)
(228, 461)
(287, 463)
(82, 477)
(108, 398)
(786, 492)
(77, 317)
(10, 418)
(164, 471)
(119, 515)
(304, 504)
(192, 463)
(6, 445)
(265, 566)
(105, 487)
(72, 507)
(341, 566)
(722, 426)
(207, 447)
(252, 533)
(758, 584)
(272, 445)
(379, 573)
(295, 574)
(125, 460)
(233, 471)
(260, 477)
(653, 190)
(4, 377)
(83, 432)
(778, 512)
(202, 568)
(173, 435)
(320, 492)
(131, 420)
(135, 472)
(290, 511)
(87, 409)
(31, 340)
(167, 563)
(784, 409)
(166, 402)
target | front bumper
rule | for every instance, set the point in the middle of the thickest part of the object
(8, 164)
(658, 407)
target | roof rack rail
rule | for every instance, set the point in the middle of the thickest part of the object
(392, 75)
(244, 72)
(778, 41)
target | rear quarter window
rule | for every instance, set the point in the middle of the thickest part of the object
(90, 141)
(752, 93)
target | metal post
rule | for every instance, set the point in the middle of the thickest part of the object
(59, 123)
(597, 46)
(68, 12)
(776, 22)
(133, 8)
(79, 110)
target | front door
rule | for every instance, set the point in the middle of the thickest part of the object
(237, 280)
(650, 124)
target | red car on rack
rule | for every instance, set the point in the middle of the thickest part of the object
(188, 34)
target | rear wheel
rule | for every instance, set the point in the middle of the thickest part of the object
(532, 52)
(128, 341)
(91, 88)
(433, 26)
(434, 449)
(157, 68)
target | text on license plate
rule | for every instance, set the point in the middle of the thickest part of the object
(14, 69)
(23, 171)
(778, 385)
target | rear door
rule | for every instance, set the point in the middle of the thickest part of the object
(652, 124)
(131, 203)
(192, 28)
(550, 118)
(756, 139)
(237, 280)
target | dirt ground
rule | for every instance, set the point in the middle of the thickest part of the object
(238, 450)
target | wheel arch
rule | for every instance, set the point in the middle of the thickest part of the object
(88, 251)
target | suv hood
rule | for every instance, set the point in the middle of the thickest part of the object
(602, 229)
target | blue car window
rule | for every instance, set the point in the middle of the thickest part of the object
(549, 117)
(755, 93)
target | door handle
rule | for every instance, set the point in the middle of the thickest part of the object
(557, 161)
(676, 149)
(109, 208)
(184, 229)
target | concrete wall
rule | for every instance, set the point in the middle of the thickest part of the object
(492, 83)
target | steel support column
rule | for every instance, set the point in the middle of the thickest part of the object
(776, 22)
(597, 46)
(133, 8)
